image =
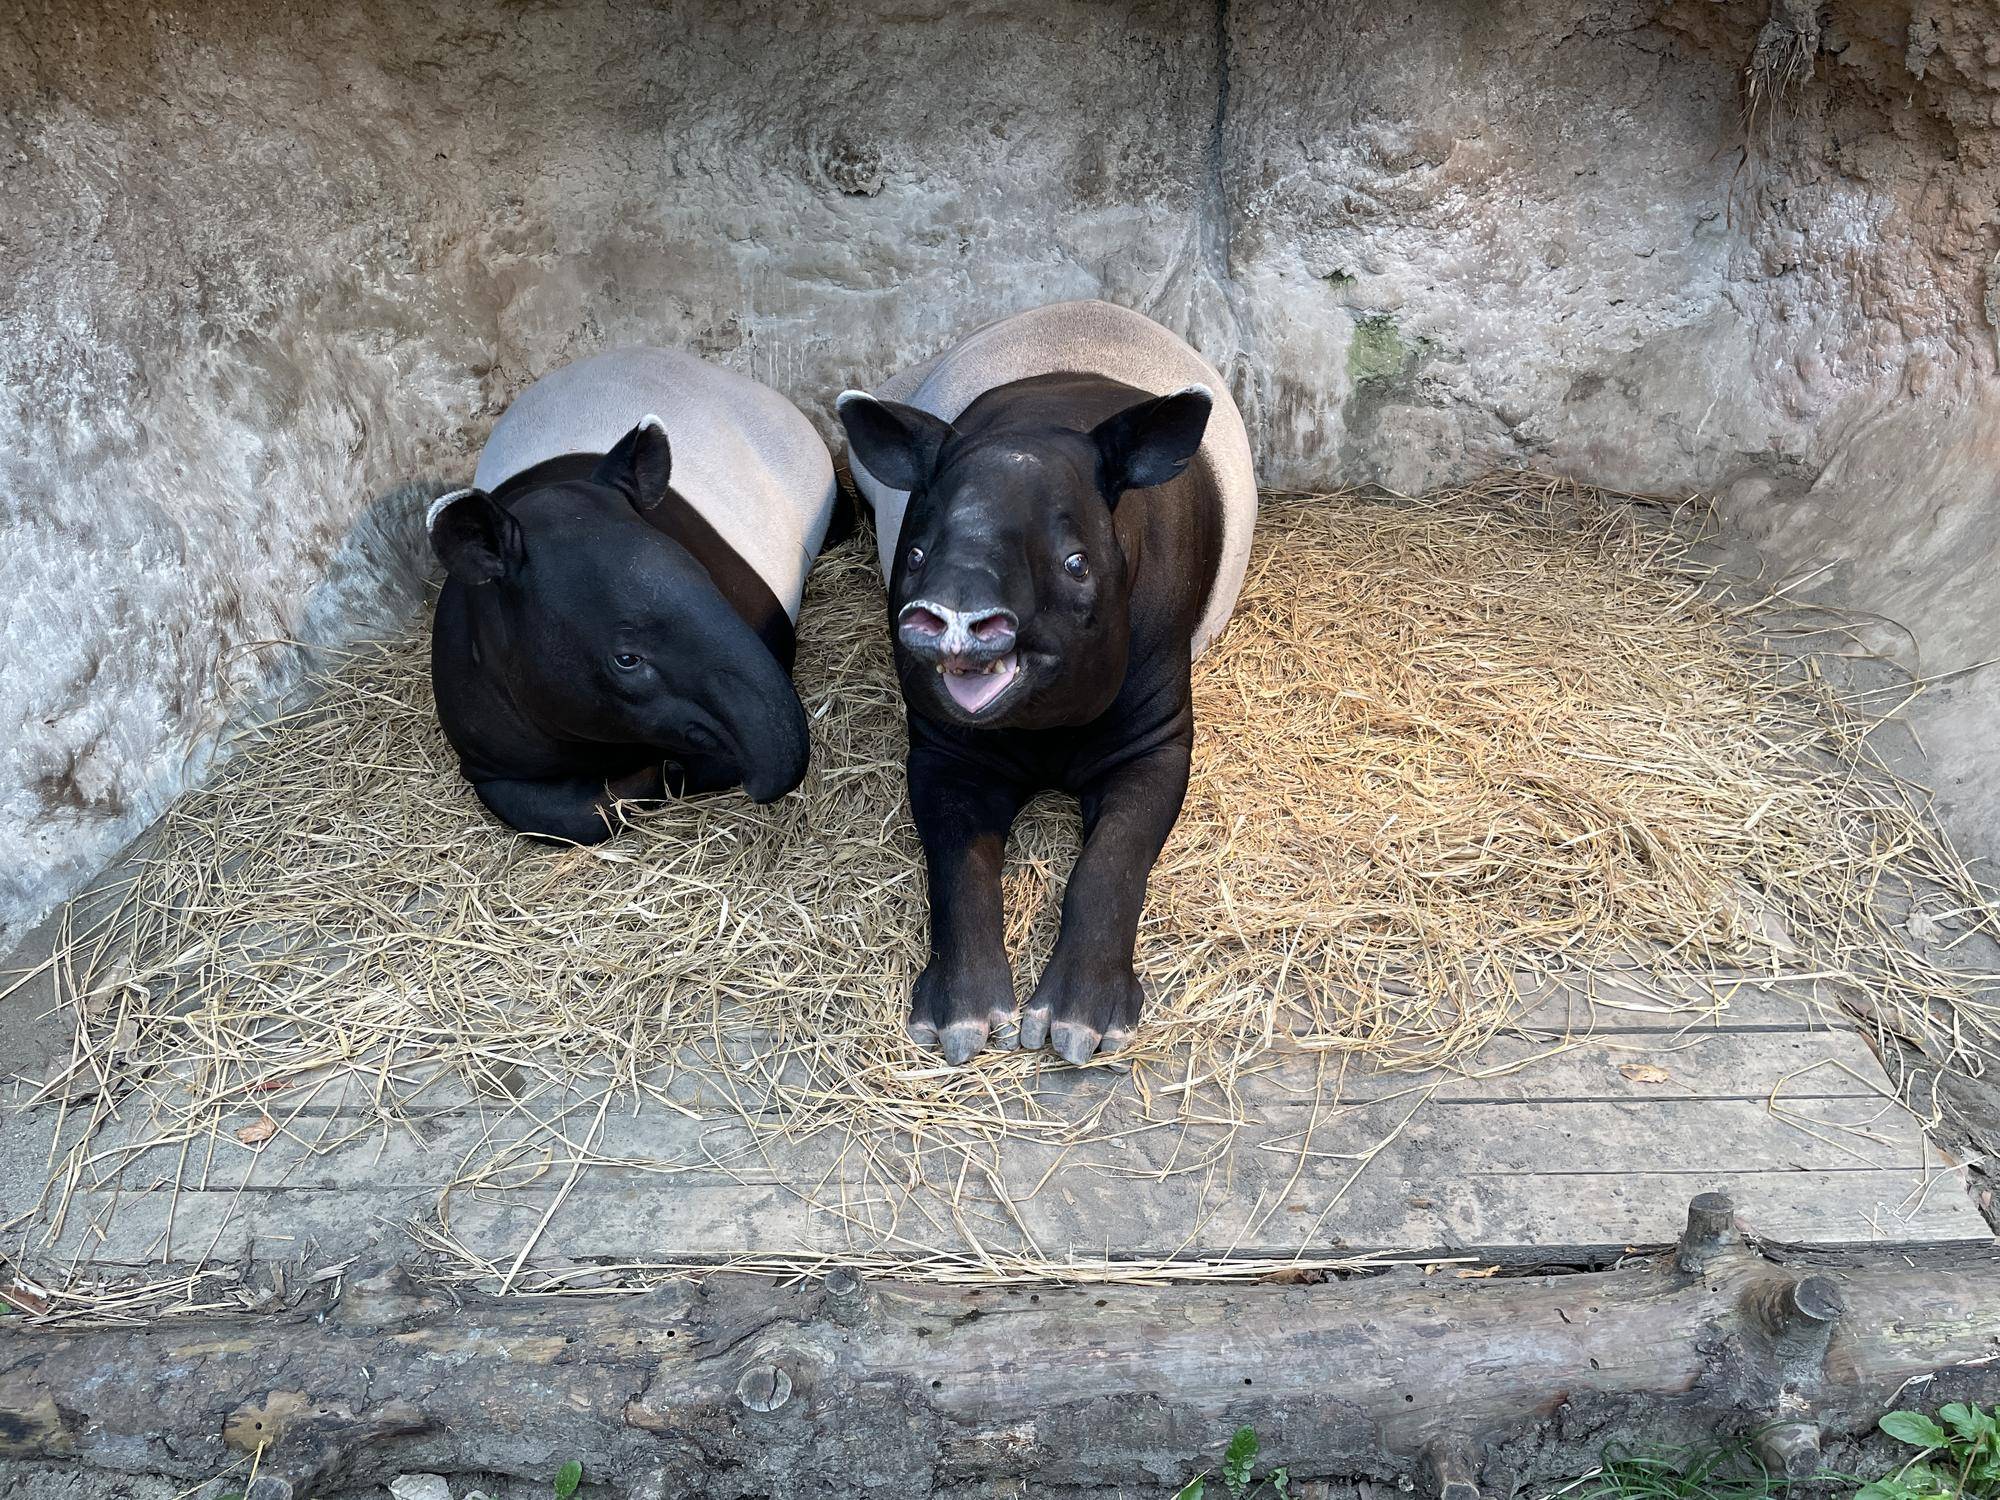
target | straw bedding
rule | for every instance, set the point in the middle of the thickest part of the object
(1445, 747)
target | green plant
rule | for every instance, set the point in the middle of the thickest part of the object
(1239, 1476)
(568, 1477)
(1712, 1471)
(1962, 1463)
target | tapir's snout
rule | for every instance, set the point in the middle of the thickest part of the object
(937, 632)
(766, 778)
(972, 649)
(767, 724)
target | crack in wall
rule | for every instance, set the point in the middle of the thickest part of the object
(1216, 231)
(1216, 226)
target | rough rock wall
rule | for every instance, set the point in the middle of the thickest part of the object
(274, 269)
(1747, 247)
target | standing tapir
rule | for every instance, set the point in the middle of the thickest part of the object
(624, 576)
(1065, 501)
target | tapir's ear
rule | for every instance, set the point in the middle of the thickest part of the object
(898, 444)
(476, 540)
(640, 464)
(1151, 442)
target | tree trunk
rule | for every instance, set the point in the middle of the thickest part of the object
(743, 1387)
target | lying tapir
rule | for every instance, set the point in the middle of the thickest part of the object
(1065, 501)
(623, 579)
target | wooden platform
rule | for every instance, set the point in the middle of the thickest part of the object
(1547, 1147)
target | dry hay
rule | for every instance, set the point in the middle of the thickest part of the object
(1444, 748)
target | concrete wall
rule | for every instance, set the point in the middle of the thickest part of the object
(273, 270)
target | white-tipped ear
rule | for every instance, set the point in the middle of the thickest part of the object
(898, 444)
(652, 420)
(1153, 441)
(438, 505)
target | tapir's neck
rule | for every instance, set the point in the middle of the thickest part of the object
(740, 585)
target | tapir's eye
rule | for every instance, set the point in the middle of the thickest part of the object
(1077, 565)
(625, 661)
(916, 557)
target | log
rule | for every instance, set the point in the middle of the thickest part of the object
(740, 1386)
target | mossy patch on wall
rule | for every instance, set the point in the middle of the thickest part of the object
(1379, 354)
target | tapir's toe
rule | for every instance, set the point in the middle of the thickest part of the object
(1034, 1031)
(1074, 1042)
(961, 1040)
(921, 1031)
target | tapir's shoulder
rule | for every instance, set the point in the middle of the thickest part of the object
(745, 458)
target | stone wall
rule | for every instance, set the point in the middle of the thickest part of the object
(273, 270)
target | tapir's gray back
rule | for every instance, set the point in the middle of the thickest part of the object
(1093, 338)
(744, 456)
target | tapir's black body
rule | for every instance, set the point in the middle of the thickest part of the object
(618, 616)
(541, 771)
(1031, 476)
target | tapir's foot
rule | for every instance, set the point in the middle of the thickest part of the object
(956, 1011)
(642, 785)
(693, 775)
(572, 811)
(1082, 1008)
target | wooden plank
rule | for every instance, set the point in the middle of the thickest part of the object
(319, 1148)
(707, 1219)
(1632, 1001)
(1413, 1195)
(1625, 1065)
(1504, 1219)
(1522, 1175)
(1548, 1151)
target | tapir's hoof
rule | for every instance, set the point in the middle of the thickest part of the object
(1077, 1043)
(1081, 1011)
(962, 1040)
(1074, 1042)
(946, 1014)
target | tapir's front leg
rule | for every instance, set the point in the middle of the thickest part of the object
(575, 809)
(966, 991)
(1088, 994)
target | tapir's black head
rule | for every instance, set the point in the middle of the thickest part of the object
(1010, 594)
(609, 632)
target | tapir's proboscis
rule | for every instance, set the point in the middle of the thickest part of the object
(622, 584)
(1065, 501)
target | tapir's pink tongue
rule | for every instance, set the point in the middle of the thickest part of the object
(972, 691)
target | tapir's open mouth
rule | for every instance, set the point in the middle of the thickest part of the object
(974, 685)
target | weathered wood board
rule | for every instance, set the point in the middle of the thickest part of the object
(1543, 1147)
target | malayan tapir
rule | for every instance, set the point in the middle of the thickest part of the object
(623, 579)
(1064, 501)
